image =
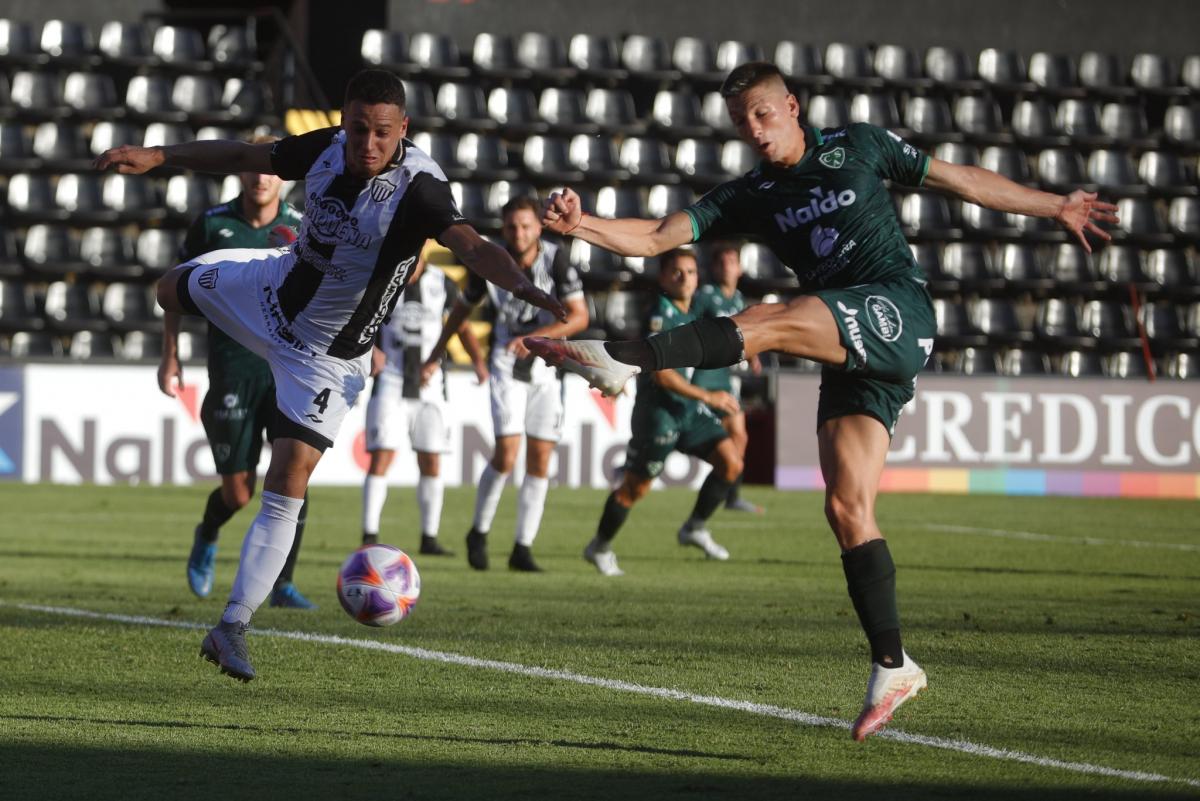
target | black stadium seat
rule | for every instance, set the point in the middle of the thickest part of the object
(646, 161)
(676, 115)
(495, 58)
(515, 110)
(108, 253)
(127, 307)
(563, 110)
(613, 111)
(544, 57)
(386, 49)
(123, 44)
(61, 147)
(595, 57)
(484, 157)
(17, 309)
(71, 307)
(802, 64)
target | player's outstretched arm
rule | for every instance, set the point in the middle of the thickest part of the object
(474, 350)
(628, 236)
(454, 321)
(217, 155)
(170, 370)
(492, 263)
(674, 382)
(1077, 212)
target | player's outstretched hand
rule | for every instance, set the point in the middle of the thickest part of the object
(481, 371)
(562, 211)
(130, 159)
(170, 375)
(1080, 212)
(529, 292)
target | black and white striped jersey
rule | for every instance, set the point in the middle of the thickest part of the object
(358, 244)
(408, 338)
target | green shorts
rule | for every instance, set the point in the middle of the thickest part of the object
(656, 432)
(235, 414)
(888, 330)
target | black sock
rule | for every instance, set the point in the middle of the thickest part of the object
(735, 490)
(711, 495)
(871, 581)
(216, 514)
(289, 566)
(612, 519)
(709, 343)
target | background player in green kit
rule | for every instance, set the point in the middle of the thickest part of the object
(722, 298)
(671, 414)
(819, 201)
(240, 403)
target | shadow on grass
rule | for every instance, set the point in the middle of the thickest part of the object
(48, 772)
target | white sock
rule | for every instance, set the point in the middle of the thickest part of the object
(264, 551)
(375, 490)
(429, 501)
(531, 502)
(487, 498)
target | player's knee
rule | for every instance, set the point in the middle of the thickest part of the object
(849, 518)
(236, 496)
(732, 468)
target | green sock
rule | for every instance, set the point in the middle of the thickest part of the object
(713, 493)
(611, 519)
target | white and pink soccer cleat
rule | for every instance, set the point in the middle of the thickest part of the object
(586, 358)
(887, 689)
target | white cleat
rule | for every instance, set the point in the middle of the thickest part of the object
(586, 358)
(605, 561)
(887, 689)
(702, 539)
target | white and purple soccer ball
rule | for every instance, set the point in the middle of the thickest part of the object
(378, 585)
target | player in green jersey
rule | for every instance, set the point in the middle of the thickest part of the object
(240, 403)
(722, 298)
(670, 413)
(819, 201)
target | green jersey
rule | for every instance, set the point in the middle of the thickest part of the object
(829, 218)
(711, 301)
(218, 228)
(665, 315)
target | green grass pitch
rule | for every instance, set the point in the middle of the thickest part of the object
(1078, 645)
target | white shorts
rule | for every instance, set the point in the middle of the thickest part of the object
(521, 407)
(390, 417)
(312, 390)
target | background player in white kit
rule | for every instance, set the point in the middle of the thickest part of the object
(408, 403)
(312, 310)
(526, 392)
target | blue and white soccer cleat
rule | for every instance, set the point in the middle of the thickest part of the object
(586, 358)
(225, 646)
(287, 596)
(887, 689)
(201, 566)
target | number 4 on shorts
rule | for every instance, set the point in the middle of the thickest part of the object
(321, 400)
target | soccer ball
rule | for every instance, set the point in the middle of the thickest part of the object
(378, 585)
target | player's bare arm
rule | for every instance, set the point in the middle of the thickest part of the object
(628, 236)
(493, 264)
(474, 351)
(455, 321)
(218, 156)
(1077, 212)
(674, 382)
(170, 370)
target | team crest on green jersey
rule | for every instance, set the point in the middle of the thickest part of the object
(834, 159)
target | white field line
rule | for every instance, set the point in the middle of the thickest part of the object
(1035, 537)
(768, 710)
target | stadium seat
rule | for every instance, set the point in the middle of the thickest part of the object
(233, 47)
(78, 194)
(127, 307)
(563, 110)
(1072, 270)
(1163, 173)
(158, 250)
(715, 114)
(733, 53)
(899, 67)
(1163, 326)
(180, 48)
(646, 160)
(624, 313)
(929, 120)
(949, 68)
(1120, 264)
(386, 49)
(1079, 118)
(978, 361)
(826, 111)
(108, 134)
(1002, 70)
(1109, 322)
(141, 346)
(1080, 364)
(1181, 126)
(802, 64)
(123, 44)
(876, 108)
(1182, 366)
(187, 196)
(71, 307)
(978, 116)
(954, 326)
(248, 102)
(663, 199)
(1124, 123)
(435, 55)
(1060, 169)
(160, 134)
(1191, 320)
(1053, 74)
(442, 148)
(10, 255)
(1167, 269)
(192, 347)
(1023, 362)
(695, 59)
(1019, 266)
(30, 199)
(594, 263)
(91, 346)
(967, 266)
(542, 54)
(612, 110)
(17, 46)
(1151, 73)
(647, 59)
(1006, 160)
(1189, 72)
(699, 161)
(500, 192)
(484, 157)
(1114, 173)
(16, 148)
(1183, 217)
(596, 156)
(37, 95)
(1034, 123)
(31, 345)
(1124, 364)
(107, 253)
(1140, 222)
(515, 111)
(546, 161)
(1102, 74)
(676, 115)
(91, 95)
(619, 202)
(596, 58)
(66, 42)
(850, 65)
(463, 106)
(495, 58)
(17, 309)
(51, 251)
(737, 157)
(997, 319)
(61, 147)
(132, 197)
(927, 216)
(148, 98)
(228, 189)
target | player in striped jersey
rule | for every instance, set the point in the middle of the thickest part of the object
(312, 310)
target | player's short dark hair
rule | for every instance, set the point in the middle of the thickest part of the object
(519, 202)
(722, 246)
(373, 86)
(669, 258)
(748, 75)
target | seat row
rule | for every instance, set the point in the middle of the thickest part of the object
(1014, 362)
(53, 251)
(67, 307)
(539, 56)
(136, 346)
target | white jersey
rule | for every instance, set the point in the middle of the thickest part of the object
(408, 338)
(512, 317)
(359, 242)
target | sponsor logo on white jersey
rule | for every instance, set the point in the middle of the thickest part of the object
(329, 221)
